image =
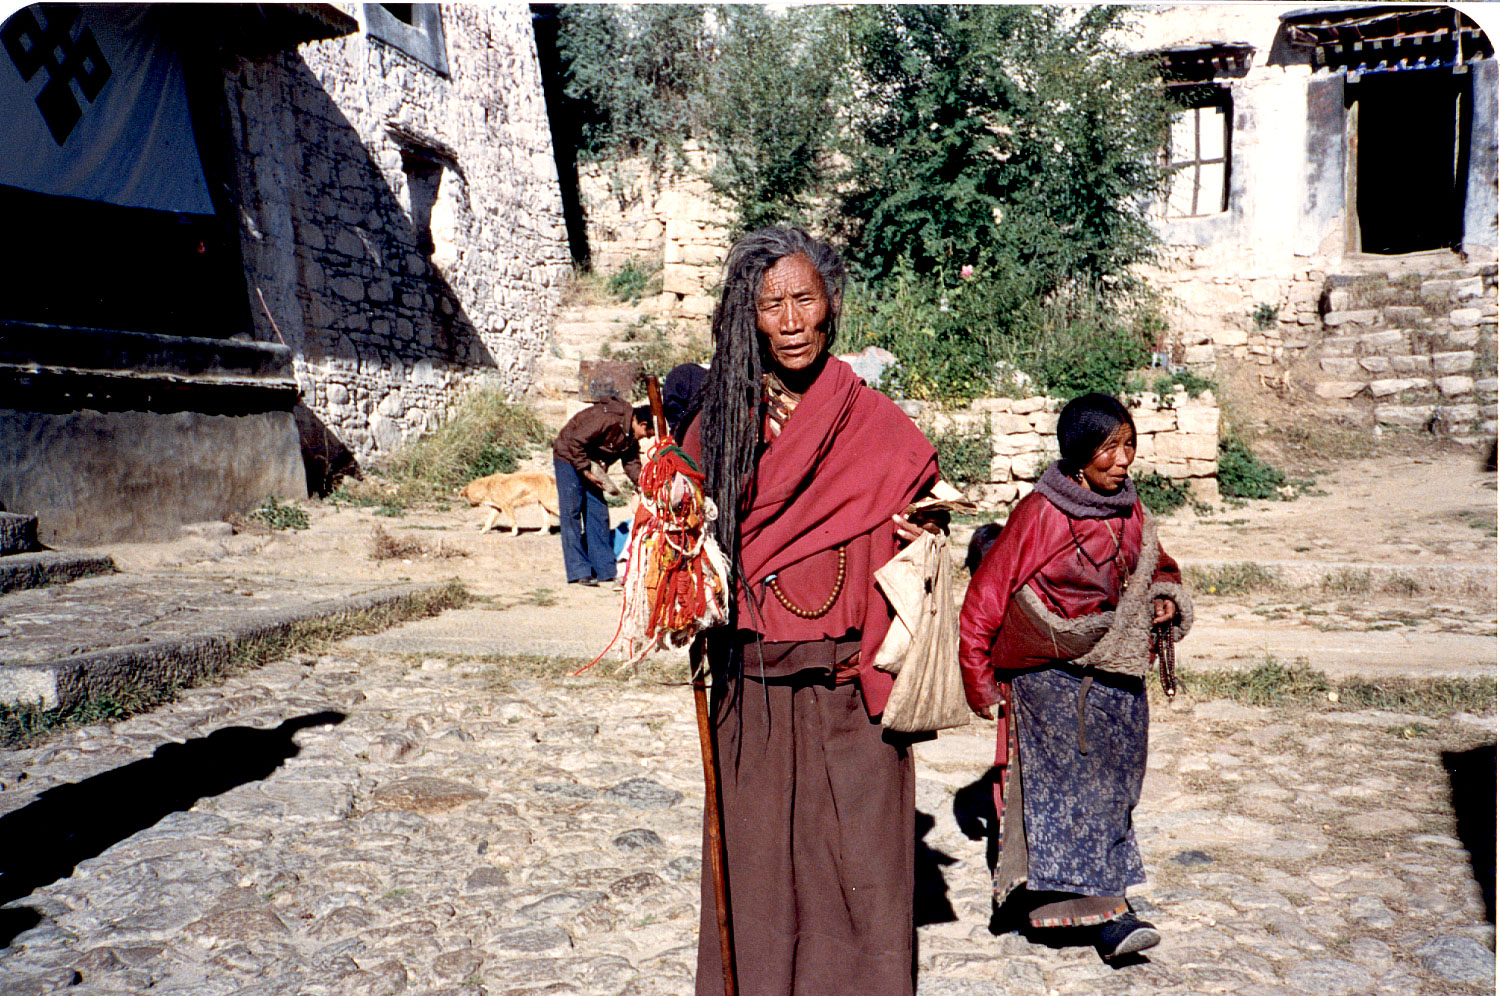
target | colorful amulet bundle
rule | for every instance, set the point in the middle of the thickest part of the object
(675, 574)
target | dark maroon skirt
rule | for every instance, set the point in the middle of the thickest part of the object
(819, 810)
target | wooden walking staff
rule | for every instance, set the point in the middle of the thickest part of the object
(713, 814)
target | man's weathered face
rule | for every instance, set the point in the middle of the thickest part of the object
(792, 313)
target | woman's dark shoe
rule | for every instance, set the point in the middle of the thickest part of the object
(1125, 935)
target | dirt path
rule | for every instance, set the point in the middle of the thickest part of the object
(1401, 521)
(1429, 509)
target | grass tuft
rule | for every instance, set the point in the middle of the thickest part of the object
(1402, 584)
(276, 515)
(502, 669)
(486, 435)
(1232, 579)
(1270, 683)
(633, 281)
(1346, 581)
(1275, 684)
(384, 546)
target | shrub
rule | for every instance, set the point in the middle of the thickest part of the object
(1165, 385)
(276, 515)
(1243, 475)
(495, 458)
(1160, 494)
(1084, 357)
(963, 457)
(989, 333)
(1024, 132)
(629, 282)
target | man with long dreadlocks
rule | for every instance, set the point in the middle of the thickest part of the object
(812, 471)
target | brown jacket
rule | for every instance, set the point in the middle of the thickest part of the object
(601, 433)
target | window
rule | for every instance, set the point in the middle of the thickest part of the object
(413, 28)
(424, 178)
(1198, 152)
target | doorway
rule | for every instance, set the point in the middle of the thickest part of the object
(1410, 145)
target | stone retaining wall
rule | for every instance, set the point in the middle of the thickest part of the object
(1213, 305)
(1177, 437)
(404, 225)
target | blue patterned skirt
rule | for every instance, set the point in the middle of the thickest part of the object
(1077, 807)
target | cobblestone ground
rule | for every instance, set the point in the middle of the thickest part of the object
(359, 823)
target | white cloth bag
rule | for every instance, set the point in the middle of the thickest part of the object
(921, 649)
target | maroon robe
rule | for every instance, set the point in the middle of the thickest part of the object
(845, 462)
(818, 804)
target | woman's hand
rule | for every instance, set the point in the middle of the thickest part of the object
(984, 712)
(1166, 610)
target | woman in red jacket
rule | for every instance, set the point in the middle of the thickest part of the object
(1072, 739)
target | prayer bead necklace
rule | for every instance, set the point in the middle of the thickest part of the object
(822, 610)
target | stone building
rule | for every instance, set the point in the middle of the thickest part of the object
(264, 243)
(1333, 216)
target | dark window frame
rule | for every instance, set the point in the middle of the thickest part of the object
(1191, 98)
(422, 39)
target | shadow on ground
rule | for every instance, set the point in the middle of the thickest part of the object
(1471, 781)
(930, 892)
(44, 840)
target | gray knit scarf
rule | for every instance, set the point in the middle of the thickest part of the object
(1075, 500)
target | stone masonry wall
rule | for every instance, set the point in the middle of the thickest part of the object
(659, 218)
(1218, 309)
(404, 227)
(1176, 436)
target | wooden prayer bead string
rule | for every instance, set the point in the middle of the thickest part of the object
(1164, 648)
(822, 610)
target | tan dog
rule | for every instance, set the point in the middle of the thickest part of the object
(507, 493)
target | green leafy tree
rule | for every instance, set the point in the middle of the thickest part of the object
(635, 74)
(1015, 132)
(1001, 166)
(775, 90)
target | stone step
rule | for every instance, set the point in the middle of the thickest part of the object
(584, 331)
(48, 567)
(553, 412)
(555, 366)
(607, 313)
(137, 633)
